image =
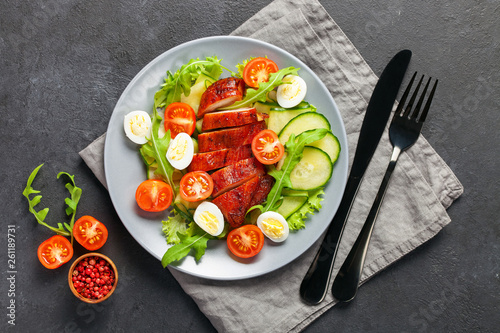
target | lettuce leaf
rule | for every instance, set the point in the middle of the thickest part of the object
(196, 242)
(176, 224)
(181, 82)
(297, 220)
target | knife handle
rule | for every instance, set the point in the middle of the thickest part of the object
(315, 283)
(345, 285)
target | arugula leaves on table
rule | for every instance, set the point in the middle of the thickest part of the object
(63, 229)
(72, 202)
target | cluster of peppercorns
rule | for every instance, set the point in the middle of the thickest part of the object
(93, 277)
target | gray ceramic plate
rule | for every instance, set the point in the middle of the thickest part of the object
(125, 170)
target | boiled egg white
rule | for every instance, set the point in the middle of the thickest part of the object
(292, 93)
(137, 125)
(274, 226)
(209, 217)
(180, 151)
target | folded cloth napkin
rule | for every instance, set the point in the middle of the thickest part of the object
(413, 211)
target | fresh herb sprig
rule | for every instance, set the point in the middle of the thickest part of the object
(63, 229)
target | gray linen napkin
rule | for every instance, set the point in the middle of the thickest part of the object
(413, 211)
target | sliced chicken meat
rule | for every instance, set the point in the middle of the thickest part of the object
(236, 174)
(221, 93)
(230, 137)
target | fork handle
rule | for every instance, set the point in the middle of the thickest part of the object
(346, 282)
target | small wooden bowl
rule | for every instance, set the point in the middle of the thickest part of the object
(70, 278)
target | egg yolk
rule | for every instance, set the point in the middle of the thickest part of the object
(290, 90)
(209, 220)
(273, 228)
(138, 125)
(178, 150)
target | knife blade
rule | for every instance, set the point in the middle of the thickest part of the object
(315, 283)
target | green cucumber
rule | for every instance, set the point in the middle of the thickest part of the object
(278, 118)
(303, 122)
(313, 171)
(330, 145)
(265, 107)
(291, 204)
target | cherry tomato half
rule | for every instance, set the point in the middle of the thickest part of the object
(90, 233)
(245, 241)
(196, 185)
(55, 251)
(154, 195)
(179, 117)
(258, 70)
(267, 148)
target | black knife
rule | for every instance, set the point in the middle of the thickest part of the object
(315, 283)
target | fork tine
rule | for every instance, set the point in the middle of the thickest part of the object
(420, 101)
(412, 99)
(405, 95)
(428, 104)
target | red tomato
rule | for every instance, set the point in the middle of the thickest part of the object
(258, 70)
(196, 185)
(90, 233)
(267, 148)
(154, 195)
(55, 251)
(245, 241)
(179, 117)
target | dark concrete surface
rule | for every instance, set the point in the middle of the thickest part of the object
(65, 63)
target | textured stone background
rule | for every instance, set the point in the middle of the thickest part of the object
(65, 63)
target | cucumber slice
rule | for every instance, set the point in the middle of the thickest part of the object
(278, 118)
(303, 122)
(199, 124)
(265, 107)
(291, 204)
(301, 105)
(330, 145)
(314, 170)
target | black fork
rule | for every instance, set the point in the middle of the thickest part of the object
(404, 131)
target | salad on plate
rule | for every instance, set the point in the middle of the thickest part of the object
(241, 157)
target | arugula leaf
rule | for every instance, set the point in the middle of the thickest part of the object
(156, 149)
(294, 148)
(42, 214)
(260, 94)
(75, 193)
(197, 242)
(297, 220)
(182, 81)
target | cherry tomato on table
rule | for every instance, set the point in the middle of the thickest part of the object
(55, 251)
(196, 185)
(267, 148)
(245, 241)
(154, 195)
(258, 70)
(90, 233)
(179, 117)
